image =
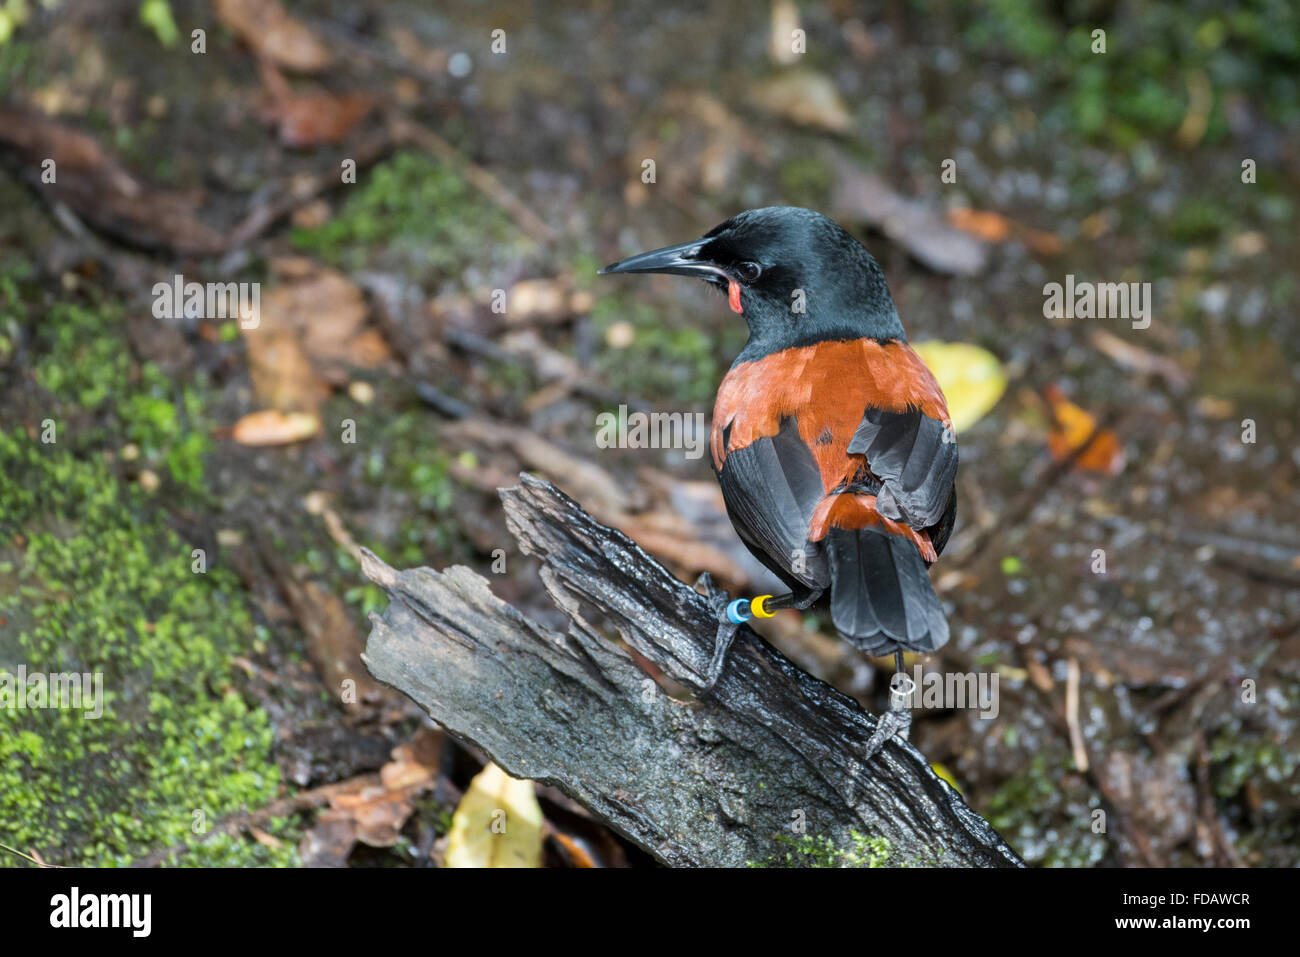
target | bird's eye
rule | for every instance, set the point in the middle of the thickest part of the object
(748, 272)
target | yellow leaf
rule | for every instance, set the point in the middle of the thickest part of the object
(498, 823)
(972, 379)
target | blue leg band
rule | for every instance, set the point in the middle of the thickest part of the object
(738, 611)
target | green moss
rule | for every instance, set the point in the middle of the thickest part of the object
(1154, 52)
(409, 214)
(93, 580)
(1256, 774)
(820, 851)
(104, 589)
(86, 369)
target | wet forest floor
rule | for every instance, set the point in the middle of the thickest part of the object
(1143, 617)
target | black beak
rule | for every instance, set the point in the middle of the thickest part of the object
(679, 260)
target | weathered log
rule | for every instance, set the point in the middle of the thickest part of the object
(768, 758)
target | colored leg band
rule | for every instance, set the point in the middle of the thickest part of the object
(738, 611)
(759, 607)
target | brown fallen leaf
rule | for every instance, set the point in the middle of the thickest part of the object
(996, 228)
(272, 427)
(545, 300)
(283, 377)
(312, 333)
(374, 814)
(377, 814)
(1071, 427)
(806, 98)
(314, 117)
(860, 196)
(319, 118)
(329, 841)
(333, 643)
(327, 311)
(99, 189)
(272, 33)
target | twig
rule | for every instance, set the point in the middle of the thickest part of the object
(1072, 714)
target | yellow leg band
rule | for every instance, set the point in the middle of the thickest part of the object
(758, 607)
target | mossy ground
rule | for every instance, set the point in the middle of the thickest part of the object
(409, 215)
(99, 582)
(96, 577)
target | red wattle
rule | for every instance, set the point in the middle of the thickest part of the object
(733, 296)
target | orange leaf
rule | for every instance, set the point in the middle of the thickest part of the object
(1072, 427)
(996, 228)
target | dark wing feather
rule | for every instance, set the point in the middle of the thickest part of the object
(771, 488)
(916, 459)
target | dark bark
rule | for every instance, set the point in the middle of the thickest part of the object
(713, 781)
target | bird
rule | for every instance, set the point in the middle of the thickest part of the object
(830, 438)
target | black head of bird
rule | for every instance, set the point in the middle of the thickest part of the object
(795, 276)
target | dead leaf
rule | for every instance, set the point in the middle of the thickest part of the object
(101, 190)
(328, 311)
(283, 377)
(272, 427)
(1071, 427)
(329, 841)
(333, 643)
(320, 118)
(272, 33)
(996, 228)
(806, 98)
(972, 379)
(374, 814)
(311, 334)
(545, 300)
(498, 823)
(918, 228)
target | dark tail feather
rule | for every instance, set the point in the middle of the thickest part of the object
(881, 597)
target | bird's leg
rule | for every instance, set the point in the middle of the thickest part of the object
(898, 719)
(720, 602)
(733, 613)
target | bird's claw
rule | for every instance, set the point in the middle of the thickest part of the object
(894, 721)
(718, 600)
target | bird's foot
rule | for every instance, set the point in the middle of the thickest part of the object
(898, 719)
(719, 601)
(892, 722)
